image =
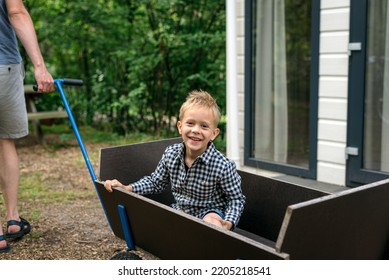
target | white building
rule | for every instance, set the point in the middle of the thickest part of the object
(308, 88)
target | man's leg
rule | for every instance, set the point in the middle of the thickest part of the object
(9, 180)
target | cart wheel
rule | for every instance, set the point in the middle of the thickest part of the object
(126, 256)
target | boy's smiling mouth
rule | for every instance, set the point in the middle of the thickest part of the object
(195, 139)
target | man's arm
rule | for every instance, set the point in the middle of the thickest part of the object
(24, 29)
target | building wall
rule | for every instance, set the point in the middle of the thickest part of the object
(333, 90)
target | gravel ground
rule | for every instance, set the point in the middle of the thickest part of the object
(63, 230)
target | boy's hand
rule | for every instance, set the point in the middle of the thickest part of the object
(110, 184)
(226, 224)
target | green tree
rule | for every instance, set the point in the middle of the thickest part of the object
(138, 59)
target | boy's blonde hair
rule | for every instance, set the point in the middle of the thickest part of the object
(201, 98)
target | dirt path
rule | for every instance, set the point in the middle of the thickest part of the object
(69, 228)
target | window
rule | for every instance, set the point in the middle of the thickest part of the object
(376, 133)
(281, 85)
(368, 108)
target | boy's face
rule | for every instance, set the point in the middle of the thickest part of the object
(197, 128)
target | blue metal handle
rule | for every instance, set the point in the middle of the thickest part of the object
(59, 83)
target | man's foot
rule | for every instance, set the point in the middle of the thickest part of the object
(4, 246)
(23, 227)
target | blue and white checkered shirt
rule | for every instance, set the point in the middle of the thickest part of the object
(212, 182)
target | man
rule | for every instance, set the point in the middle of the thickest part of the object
(15, 22)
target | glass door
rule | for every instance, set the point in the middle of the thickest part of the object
(368, 127)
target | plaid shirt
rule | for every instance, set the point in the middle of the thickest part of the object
(212, 182)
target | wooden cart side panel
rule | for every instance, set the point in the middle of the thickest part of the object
(171, 234)
(352, 224)
(109, 204)
(129, 163)
(266, 202)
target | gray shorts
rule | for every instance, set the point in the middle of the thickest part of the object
(13, 113)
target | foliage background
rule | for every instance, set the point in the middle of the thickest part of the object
(138, 59)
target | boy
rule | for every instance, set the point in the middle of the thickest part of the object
(203, 181)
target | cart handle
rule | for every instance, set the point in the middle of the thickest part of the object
(65, 81)
(59, 83)
(72, 82)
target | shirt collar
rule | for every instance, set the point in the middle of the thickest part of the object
(204, 157)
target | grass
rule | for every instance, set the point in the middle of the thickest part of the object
(34, 187)
(92, 135)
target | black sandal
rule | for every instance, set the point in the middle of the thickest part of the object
(24, 225)
(7, 247)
